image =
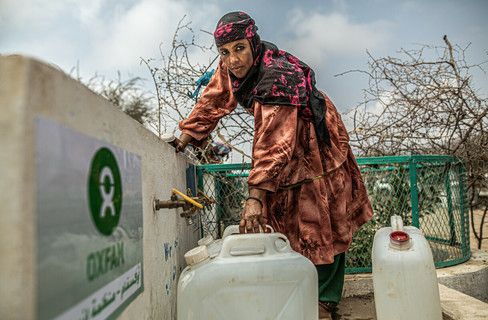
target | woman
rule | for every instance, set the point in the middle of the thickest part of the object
(304, 178)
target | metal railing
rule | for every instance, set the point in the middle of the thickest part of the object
(428, 191)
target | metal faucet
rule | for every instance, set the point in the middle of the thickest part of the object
(191, 205)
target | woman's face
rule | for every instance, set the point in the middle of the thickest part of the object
(237, 57)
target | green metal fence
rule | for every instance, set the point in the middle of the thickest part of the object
(427, 191)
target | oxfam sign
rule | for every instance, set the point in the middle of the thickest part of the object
(105, 191)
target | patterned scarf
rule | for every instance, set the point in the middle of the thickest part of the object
(276, 77)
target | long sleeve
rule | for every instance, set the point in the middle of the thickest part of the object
(274, 143)
(217, 101)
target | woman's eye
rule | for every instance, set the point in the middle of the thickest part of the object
(223, 53)
(239, 48)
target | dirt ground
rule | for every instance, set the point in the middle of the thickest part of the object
(356, 308)
(477, 220)
(360, 308)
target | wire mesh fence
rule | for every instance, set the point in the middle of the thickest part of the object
(427, 191)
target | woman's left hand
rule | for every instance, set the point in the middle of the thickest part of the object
(182, 142)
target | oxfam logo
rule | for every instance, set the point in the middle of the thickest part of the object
(105, 191)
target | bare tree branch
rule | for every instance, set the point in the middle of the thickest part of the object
(424, 101)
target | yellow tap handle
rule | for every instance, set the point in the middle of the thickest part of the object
(187, 198)
(200, 192)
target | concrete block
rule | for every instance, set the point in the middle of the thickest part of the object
(30, 89)
(470, 278)
(459, 306)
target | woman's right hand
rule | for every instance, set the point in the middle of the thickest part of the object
(252, 219)
(182, 142)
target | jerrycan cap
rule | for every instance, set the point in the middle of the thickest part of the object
(399, 240)
(196, 255)
(205, 241)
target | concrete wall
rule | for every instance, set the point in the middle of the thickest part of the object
(470, 278)
(29, 89)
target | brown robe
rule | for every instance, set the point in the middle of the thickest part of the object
(329, 201)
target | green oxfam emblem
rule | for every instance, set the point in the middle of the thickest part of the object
(105, 191)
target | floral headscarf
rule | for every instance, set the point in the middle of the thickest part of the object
(276, 77)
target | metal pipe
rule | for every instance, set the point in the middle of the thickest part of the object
(169, 204)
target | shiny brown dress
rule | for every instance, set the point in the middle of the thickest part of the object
(319, 216)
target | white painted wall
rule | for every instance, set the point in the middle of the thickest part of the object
(28, 89)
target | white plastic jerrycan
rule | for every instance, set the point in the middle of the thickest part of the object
(254, 276)
(213, 246)
(404, 276)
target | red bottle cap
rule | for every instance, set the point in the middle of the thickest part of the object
(400, 239)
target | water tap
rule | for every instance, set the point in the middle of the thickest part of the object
(191, 205)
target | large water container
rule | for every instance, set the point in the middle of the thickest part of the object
(254, 276)
(404, 276)
(213, 246)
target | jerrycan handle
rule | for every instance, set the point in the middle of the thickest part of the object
(396, 223)
(234, 229)
(230, 230)
(263, 244)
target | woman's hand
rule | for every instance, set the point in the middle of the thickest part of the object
(252, 218)
(182, 142)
